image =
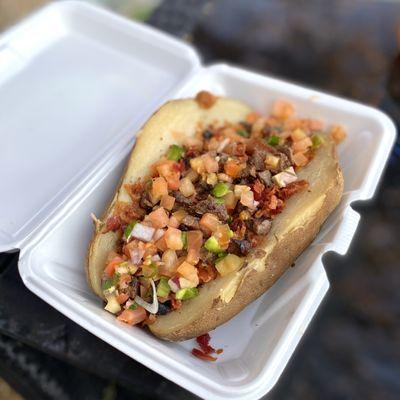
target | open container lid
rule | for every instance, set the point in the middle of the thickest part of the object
(73, 89)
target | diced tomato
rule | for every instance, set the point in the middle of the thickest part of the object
(110, 268)
(223, 235)
(300, 159)
(167, 202)
(195, 241)
(173, 239)
(252, 117)
(173, 222)
(161, 244)
(205, 357)
(338, 134)
(170, 170)
(209, 222)
(133, 317)
(170, 263)
(122, 298)
(230, 201)
(302, 145)
(124, 280)
(283, 109)
(247, 199)
(159, 188)
(189, 272)
(233, 168)
(113, 223)
(159, 218)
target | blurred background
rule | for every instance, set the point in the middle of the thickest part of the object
(352, 348)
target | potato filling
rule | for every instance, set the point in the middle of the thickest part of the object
(206, 205)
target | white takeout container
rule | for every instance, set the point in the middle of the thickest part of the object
(76, 83)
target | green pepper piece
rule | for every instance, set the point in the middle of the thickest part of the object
(109, 283)
(163, 288)
(221, 256)
(219, 200)
(220, 189)
(129, 229)
(175, 152)
(186, 293)
(243, 133)
(273, 140)
(184, 237)
(150, 271)
(133, 306)
(316, 141)
(212, 245)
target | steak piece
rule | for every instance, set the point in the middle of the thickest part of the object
(190, 222)
(239, 247)
(265, 177)
(261, 226)
(210, 206)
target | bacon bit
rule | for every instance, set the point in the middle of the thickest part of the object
(258, 188)
(128, 212)
(337, 133)
(113, 223)
(205, 357)
(239, 228)
(292, 188)
(176, 304)
(204, 343)
(205, 99)
(149, 320)
(207, 273)
(134, 189)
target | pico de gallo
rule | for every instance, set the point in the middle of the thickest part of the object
(205, 206)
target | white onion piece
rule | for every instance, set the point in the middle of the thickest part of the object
(143, 232)
(153, 307)
(222, 145)
(136, 255)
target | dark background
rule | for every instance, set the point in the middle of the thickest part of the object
(352, 348)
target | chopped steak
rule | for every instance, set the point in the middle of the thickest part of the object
(190, 222)
(209, 205)
(261, 226)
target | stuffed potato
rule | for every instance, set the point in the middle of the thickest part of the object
(215, 204)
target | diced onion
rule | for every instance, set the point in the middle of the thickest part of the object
(153, 307)
(174, 284)
(143, 232)
(136, 255)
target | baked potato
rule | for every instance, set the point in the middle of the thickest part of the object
(226, 290)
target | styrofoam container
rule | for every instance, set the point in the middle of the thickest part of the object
(76, 83)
